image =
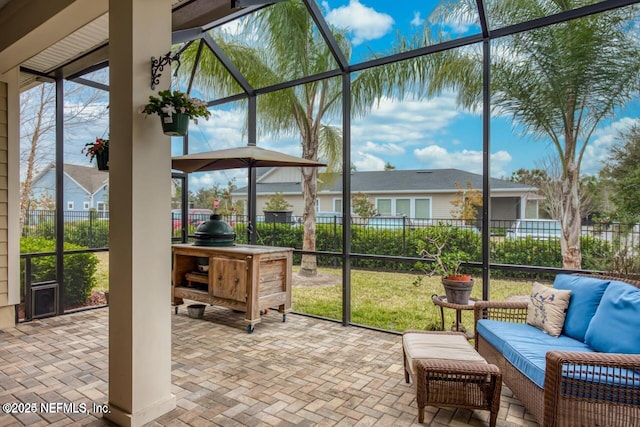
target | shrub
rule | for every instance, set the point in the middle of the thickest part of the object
(79, 269)
(89, 233)
(596, 253)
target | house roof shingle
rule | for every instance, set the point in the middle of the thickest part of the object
(90, 178)
(431, 180)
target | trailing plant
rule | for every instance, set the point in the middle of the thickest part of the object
(171, 102)
(92, 149)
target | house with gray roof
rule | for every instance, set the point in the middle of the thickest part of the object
(421, 194)
(85, 188)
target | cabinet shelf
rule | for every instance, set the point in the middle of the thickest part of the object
(244, 277)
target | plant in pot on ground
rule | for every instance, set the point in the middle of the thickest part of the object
(446, 261)
(277, 209)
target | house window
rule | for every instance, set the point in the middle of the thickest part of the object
(337, 205)
(403, 207)
(69, 206)
(103, 213)
(85, 206)
(531, 209)
(423, 208)
(383, 206)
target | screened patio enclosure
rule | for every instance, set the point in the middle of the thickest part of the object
(470, 86)
(294, 70)
(251, 61)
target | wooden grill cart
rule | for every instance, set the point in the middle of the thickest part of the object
(247, 278)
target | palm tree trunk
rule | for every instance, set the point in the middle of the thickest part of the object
(570, 219)
(308, 264)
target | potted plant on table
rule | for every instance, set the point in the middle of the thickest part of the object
(98, 150)
(175, 109)
(445, 262)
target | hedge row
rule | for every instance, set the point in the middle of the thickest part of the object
(365, 240)
(88, 233)
(79, 269)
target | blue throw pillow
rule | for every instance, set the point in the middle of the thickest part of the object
(614, 327)
(586, 293)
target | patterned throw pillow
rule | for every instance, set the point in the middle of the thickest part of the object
(548, 308)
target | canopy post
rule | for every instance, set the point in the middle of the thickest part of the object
(251, 198)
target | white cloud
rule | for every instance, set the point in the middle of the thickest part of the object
(599, 149)
(460, 27)
(437, 157)
(365, 23)
(224, 129)
(400, 124)
(416, 21)
(210, 179)
(388, 148)
(368, 162)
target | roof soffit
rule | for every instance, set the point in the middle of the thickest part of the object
(53, 22)
(86, 46)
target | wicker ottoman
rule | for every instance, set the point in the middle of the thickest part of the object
(448, 372)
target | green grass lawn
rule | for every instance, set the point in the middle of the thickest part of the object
(102, 272)
(382, 300)
(390, 301)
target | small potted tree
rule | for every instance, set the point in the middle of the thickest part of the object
(277, 209)
(446, 263)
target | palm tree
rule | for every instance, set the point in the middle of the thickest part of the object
(281, 43)
(558, 82)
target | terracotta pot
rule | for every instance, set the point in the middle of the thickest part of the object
(460, 278)
(457, 291)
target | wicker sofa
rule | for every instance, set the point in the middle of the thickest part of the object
(572, 379)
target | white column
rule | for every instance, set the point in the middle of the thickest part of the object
(140, 226)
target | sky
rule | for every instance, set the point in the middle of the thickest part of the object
(409, 134)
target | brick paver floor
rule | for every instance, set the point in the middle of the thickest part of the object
(300, 373)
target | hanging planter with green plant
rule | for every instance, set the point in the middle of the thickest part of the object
(175, 109)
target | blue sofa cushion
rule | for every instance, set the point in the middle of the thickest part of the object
(586, 293)
(529, 356)
(614, 327)
(526, 346)
(497, 332)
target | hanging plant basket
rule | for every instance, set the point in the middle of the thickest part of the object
(175, 124)
(102, 160)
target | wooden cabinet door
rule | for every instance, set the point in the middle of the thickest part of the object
(229, 279)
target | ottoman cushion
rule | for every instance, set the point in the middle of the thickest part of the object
(421, 346)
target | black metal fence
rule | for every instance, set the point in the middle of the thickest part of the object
(90, 229)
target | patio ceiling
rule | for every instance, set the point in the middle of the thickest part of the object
(86, 47)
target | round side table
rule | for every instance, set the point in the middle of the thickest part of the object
(441, 301)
